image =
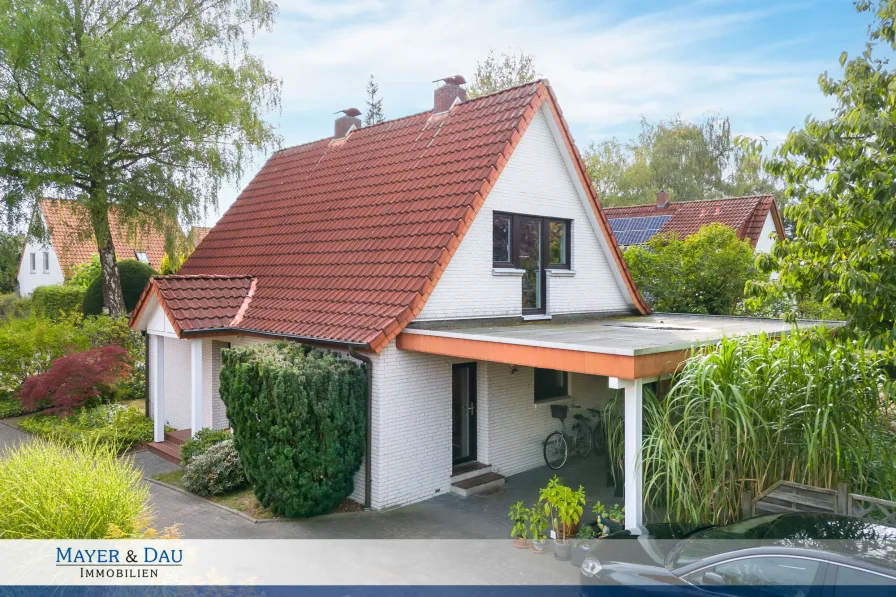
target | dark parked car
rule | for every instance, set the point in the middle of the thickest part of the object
(793, 554)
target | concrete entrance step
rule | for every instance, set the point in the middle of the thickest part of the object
(167, 450)
(468, 470)
(478, 484)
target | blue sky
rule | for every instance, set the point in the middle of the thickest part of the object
(756, 62)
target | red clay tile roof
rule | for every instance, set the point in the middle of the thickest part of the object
(71, 234)
(347, 239)
(202, 302)
(746, 215)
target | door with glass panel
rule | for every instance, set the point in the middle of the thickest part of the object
(533, 245)
(463, 412)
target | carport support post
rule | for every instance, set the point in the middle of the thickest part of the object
(633, 475)
(196, 383)
(157, 383)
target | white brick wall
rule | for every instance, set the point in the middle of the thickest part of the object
(535, 181)
(517, 426)
(177, 383)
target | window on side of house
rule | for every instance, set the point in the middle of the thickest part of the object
(550, 384)
(46, 262)
(32, 258)
(142, 257)
(558, 243)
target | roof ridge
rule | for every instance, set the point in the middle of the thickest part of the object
(415, 114)
(732, 198)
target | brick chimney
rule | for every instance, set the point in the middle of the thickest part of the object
(447, 94)
(345, 122)
(662, 199)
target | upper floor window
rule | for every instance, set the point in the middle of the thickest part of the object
(534, 245)
(33, 262)
(46, 262)
(142, 257)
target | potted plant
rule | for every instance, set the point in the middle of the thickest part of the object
(538, 525)
(519, 516)
(563, 507)
(584, 543)
(608, 521)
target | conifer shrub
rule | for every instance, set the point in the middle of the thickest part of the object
(217, 470)
(299, 419)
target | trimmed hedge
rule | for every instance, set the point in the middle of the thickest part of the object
(201, 442)
(55, 301)
(299, 420)
(215, 471)
(134, 277)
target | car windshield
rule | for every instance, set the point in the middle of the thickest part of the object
(715, 540)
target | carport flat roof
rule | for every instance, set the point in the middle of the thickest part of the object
(626, 346)
(629, 335)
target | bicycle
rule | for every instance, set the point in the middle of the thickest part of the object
(598, 432)
(556, 445)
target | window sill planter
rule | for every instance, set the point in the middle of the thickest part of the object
(538, 545)
(562, 550)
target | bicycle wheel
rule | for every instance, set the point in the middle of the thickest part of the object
(581, 439)
(599, 438)
(555, 450)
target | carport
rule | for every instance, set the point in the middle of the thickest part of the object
(629, 350)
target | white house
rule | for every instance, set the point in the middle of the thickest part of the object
(463, 255)
(65, 242)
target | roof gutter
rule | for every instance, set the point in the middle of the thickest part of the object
(367, 459)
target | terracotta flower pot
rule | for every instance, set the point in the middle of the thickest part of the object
(521, 542)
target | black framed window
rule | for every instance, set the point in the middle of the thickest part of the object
(551, 384)
(532, 244)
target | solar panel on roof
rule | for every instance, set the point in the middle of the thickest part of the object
(636, 231)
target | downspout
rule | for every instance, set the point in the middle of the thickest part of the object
(146, 373)
(367, 456)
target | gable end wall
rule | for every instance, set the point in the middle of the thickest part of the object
(536, 181)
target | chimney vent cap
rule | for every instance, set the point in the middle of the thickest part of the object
(349, 112)
(455, 80)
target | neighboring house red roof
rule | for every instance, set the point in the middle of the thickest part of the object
(197, 234)
(746, 215)
(71, 234)
(346, 239)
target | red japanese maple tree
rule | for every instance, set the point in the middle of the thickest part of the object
(76, 378)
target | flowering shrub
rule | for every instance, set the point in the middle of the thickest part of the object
(201, 442)
(80, 379)
(218, 470)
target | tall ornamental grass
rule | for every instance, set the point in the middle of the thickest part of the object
(80, 492)
(753, 411)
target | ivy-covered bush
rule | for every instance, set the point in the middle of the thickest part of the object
(299, 421)
(200, 442)
(134, 276)
(56, 301)
(215, 471)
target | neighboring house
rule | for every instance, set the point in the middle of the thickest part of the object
(463, 255)
(756, 218)
(197, 233)
(69, 242)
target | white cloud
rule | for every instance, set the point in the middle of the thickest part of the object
(607, 70)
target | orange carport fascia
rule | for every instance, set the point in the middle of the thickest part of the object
(562, 359)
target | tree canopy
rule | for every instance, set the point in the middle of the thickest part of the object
(500, 72)
(704, 273)
(690, 160)
(10, 252)
(840, 174)
(142, 105)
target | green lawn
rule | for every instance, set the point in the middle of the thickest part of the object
(242, 500)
